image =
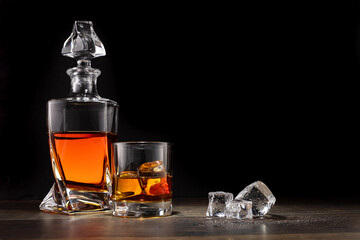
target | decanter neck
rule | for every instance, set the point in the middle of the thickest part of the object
(83, 80)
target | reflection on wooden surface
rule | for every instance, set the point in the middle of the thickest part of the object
(288, 219)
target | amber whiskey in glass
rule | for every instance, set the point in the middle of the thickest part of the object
(130, 187)
(84, 158)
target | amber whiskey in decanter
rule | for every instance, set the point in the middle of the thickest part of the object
(81, 129)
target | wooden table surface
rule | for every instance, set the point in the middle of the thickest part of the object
(288, 219)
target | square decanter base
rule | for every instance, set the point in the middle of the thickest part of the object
(78, 203)
(142, 209)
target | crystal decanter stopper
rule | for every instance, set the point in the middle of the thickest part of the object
(81, 130)
(83, 43)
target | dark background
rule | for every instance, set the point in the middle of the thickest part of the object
(246, 92)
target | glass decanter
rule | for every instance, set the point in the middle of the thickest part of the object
(81, 130)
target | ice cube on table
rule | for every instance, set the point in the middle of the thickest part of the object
(155, 169)
(261, 197)
(240, 209)
(217, 203)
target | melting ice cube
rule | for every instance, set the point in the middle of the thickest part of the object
(154, 169)
(217, 203)
(128, 174)
(240, 209)
(261, 197)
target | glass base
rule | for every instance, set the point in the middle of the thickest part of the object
(78, 202)
(142, 209)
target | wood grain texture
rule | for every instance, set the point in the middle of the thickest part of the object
(288, 219)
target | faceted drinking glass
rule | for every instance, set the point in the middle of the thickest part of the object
(142, 179)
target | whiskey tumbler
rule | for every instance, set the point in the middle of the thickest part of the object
(142, 179)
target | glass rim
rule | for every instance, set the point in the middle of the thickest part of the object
(141, 142)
